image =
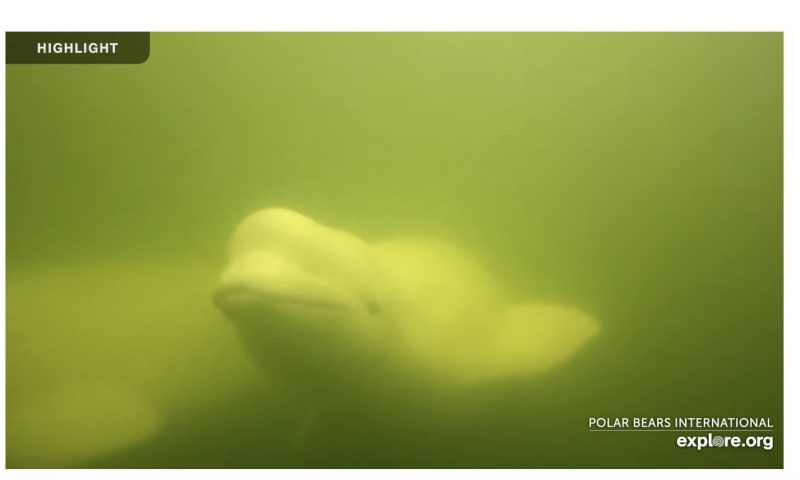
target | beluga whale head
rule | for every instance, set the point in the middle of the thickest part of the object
(303, 296)
(283, 262)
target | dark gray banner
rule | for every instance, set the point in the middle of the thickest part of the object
(77, 47)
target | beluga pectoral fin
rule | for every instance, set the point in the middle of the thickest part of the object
(534, 337)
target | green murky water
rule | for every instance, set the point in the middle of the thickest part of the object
(637, 177)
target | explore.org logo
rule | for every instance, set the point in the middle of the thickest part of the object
(709, 426)
(702, 441)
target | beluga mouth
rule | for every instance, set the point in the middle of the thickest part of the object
(237, 299)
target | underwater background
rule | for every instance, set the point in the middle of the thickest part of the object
(636, 176)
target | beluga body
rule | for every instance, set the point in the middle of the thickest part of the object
(334, 316)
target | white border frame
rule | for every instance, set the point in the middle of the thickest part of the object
(455, 15)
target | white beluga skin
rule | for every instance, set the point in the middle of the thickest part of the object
(328, 312)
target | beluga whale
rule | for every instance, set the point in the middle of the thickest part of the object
(337, 318)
